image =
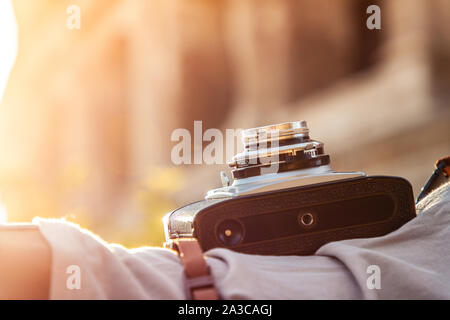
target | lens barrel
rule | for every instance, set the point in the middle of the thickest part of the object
(282, 147)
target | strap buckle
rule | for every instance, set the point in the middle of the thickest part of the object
(198, 280)
(197, 283)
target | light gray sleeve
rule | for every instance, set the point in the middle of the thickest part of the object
(85, 267)
(413, 261)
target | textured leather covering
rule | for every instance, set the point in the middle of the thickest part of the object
(385, 217)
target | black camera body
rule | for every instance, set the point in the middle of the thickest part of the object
(276, 218)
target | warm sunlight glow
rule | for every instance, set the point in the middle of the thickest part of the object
(8, 42)
(3, 214)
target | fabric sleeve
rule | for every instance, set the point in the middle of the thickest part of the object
(412, 263)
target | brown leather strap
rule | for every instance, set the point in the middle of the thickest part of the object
(199, 282)
(444, 165)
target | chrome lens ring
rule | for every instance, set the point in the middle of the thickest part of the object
(287, 144)
(279, 132)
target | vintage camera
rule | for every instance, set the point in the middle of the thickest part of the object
(286, 199)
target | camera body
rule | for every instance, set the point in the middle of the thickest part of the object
(286, 200)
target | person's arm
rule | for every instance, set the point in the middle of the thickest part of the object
(25, 260)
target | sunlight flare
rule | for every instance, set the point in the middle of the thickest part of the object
(8, 42)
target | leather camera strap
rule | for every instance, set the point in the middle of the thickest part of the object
(199, 282)
(440, 176)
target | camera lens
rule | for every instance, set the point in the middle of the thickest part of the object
(230, 232)
(287, 145)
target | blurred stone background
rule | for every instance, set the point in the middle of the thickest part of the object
(87, 114)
